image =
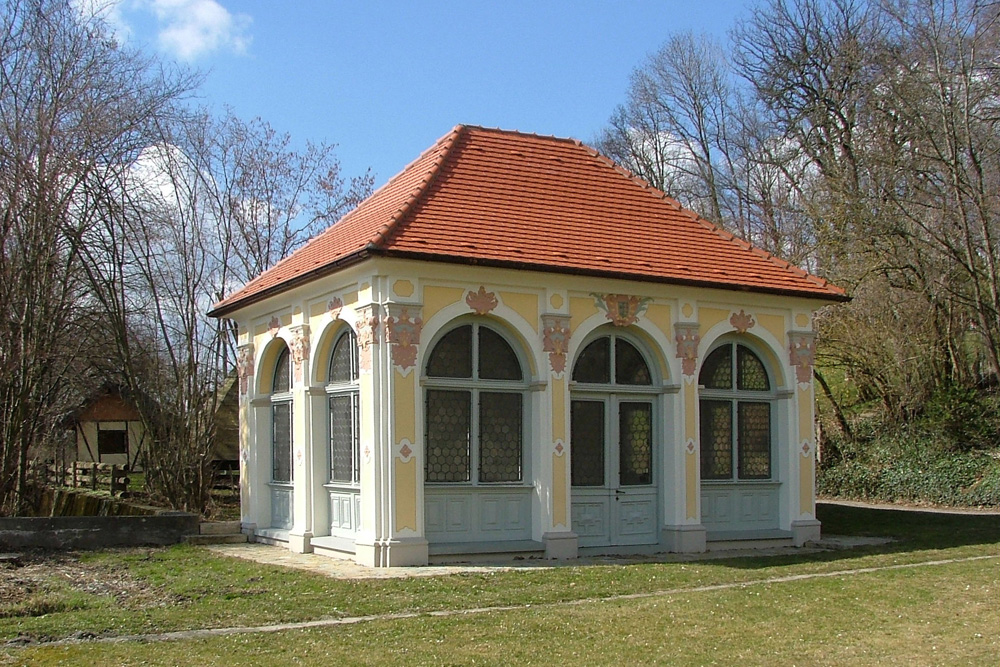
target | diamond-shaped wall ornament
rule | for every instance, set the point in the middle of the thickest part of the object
(806, 448)
(689, 447)
(482, 302)
(559, 448)
(742, 322)
(405, 451)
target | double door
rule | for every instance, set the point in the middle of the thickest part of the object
(614, 496)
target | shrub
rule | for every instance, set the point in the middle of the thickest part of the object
(913, 464)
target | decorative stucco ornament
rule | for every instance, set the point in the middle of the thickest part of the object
(482, 302)
(555, 340)
(273, 326)
(622, 309)
(367, 336)
(244, 367)
(334, 307)
(742, 322)
(403, 333)
(802, 355)
(300, 350)
(687, 337)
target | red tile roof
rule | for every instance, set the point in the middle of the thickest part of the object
(508, 199)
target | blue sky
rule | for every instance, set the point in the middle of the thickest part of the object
(384, 80)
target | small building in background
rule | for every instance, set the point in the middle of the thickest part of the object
(108, 429)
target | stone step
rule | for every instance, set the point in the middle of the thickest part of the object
(219, 528)
(216, 539)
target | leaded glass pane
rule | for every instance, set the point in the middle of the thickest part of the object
(344, 360)
(344, 443)
(750, 373)
(754, 440)
(282, 373)
(281, 442)
(630, 367)
(448, 425)
(499, 437)
(497, 360)
(717, 372)
(635, 424)
(587, 443)
(594, 363)
(452, 356)
(716, 439)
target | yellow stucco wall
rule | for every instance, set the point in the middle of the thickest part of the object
(405, 429)
(580, 308)
(690, 393)
(560, 490)
(437, 298)
(406, 494)
(525, 305)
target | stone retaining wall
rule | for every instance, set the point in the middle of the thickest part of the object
(95, 532)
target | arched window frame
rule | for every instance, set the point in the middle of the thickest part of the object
(613, 384)
(281, 418)
(476, 387)
(344, 414)
(736, 397)
(583, 391)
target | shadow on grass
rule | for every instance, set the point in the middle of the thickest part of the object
(910, 530)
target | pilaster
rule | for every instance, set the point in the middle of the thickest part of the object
(301, 533)
(554, 482)
(687, 335)
(247, 431)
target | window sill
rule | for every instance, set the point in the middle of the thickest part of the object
(740, 482)
(342, 486)
(482, 485)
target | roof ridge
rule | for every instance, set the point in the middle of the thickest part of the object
(444, 145)
(521, 133)
(713, 227)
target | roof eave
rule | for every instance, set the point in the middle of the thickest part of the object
(225, 308)
(829, 296)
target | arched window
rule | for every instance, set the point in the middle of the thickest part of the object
(342, 390)
(474, 408)
(281, 418)
(735, 415)
(610, 421)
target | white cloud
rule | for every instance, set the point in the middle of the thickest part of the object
(191, 28)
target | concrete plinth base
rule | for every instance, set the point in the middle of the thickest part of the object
(684, 539)
(560, 546)
(805, 530)
(399, 552)
(300, 543)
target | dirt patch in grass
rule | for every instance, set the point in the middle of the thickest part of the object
(42, 582)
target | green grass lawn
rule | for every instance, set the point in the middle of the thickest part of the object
(929, 614)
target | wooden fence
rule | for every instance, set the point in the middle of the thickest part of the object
(110, 477)
(82, 475)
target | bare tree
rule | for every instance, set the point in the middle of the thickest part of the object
(212, 203)
(74, 107)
